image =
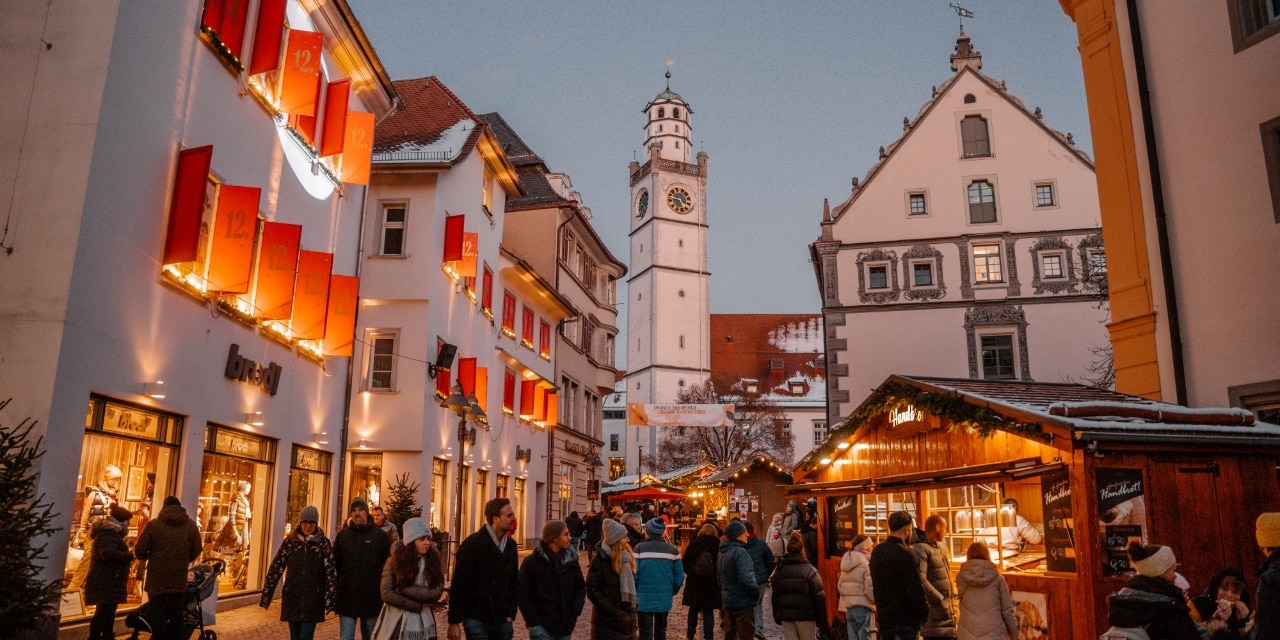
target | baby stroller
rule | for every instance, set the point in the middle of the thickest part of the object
(202, 579)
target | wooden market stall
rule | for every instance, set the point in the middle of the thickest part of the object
(1089, 469)
(752, 489)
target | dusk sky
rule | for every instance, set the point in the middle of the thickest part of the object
(790, 100)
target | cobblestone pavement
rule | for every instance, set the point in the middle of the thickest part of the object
(255, 623)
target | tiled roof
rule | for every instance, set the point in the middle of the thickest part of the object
(772, 349)
(538, 191)
(430, 110)
(518, 153)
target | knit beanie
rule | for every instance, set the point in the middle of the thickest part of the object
(1157, 563)
(414, 528)
(734, 530)
(121, 514)
(614, 531)
(655, 528)
(1268, 530)
(309, 514)
(112, 472)
(359, 503)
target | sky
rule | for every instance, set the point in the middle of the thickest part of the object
(790, 99)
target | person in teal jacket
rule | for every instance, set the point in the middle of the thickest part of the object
(659, 576)
(738, 587)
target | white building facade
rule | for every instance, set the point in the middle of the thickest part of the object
(669, 288)
(971, 250)
(436, 280)
(183, 207)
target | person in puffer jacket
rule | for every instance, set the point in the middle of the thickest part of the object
(986, 606)
(935, 569)
(659, 576)
(857, 599)
(1150, 599)
(799, 603)
(552, 590)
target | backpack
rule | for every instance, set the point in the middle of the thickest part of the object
(1125, 633)
(704, 567)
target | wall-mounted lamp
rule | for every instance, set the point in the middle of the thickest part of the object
(444, 359)
(523, 454)
(153, 389)
(322, 437)
(254, 419)
(362, 444)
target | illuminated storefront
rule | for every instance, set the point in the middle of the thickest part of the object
(235, 486)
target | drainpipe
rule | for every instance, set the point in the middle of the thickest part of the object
(1157, 196)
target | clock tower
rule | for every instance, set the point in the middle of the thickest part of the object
(669, 293)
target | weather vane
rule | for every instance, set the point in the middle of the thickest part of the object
(962, 13)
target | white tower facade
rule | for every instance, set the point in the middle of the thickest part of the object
(669, 291)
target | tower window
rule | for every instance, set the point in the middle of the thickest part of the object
(681, 342)
(662, 113)
(680, 382)
(659, 128)
(969, 98)
(680, 242)
(677, 144)
(681, 293)
(677, 128)
(675, 112)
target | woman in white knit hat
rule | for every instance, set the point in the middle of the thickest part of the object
(1150, 599)
(611, 586)
(857, 599)
(412, 581)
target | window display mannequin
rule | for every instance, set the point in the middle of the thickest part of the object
(234, 539)
(98, 500)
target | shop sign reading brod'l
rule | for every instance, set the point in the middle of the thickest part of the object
(130, 422)
(246, 370)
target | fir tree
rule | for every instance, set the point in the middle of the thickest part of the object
(26, 523)
(402, 501)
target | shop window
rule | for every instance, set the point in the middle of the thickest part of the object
(504, 484)
(236, 475)
(986, 264)
(970, 513)
(129, 458)
(517, 504)
(439, 489)
(392, 235)
(617, 468)
(876, 508)
(982, 202)
(309, 471)
(566, 489)
(366, 477)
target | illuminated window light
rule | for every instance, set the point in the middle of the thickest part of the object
(153, 389)
(254, 419)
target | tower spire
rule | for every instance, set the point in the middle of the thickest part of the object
(669, 63)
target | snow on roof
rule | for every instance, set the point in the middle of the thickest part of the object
(446, 148)
(804, 336)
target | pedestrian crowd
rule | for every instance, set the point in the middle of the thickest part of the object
(388, 583)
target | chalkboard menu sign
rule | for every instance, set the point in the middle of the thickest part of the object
(1122, 515)
(1059, 526)
(843, 518)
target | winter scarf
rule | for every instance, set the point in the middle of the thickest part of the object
(627, 578)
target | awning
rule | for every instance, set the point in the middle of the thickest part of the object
(648, 493)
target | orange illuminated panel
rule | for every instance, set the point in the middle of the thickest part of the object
(540, 403)
(299, 83)
(357, 148)
(470, 249)
(186, 205)
(234, 229)
(553, 406)
(334, 129)
(467, 375)
(340, 322)
(277, 264)
(227, 19)
(311, 295)
(268, 35)
(528, 389)
(509, 391)
(482, 387)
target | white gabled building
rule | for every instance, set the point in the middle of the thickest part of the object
(970, 250)
(436, 211)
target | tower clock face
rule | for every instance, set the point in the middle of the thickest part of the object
(679, 200)
(642, 205)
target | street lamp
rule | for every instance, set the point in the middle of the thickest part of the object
(595, 462)
(466, 408)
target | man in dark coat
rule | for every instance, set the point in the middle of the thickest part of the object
(106, 584)
(762, 559)
(359, 551)
(701, 587)
(901, 608)
(593, 527)
(935, 570)
(1266, 617)
(552, 589)
(169, 544)
(738, 587)
(575, 530)
(484, 595)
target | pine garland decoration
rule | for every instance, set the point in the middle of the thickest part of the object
(26, 525)
(402, 501)
(891, 395)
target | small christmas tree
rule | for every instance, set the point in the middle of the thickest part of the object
(402, 500)
(26, 523)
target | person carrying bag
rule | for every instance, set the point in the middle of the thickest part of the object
(412, 581)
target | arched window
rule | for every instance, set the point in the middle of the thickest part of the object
(662, 112)
(969, 98)
(982, 202)
(974, 134)
(675, 112)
